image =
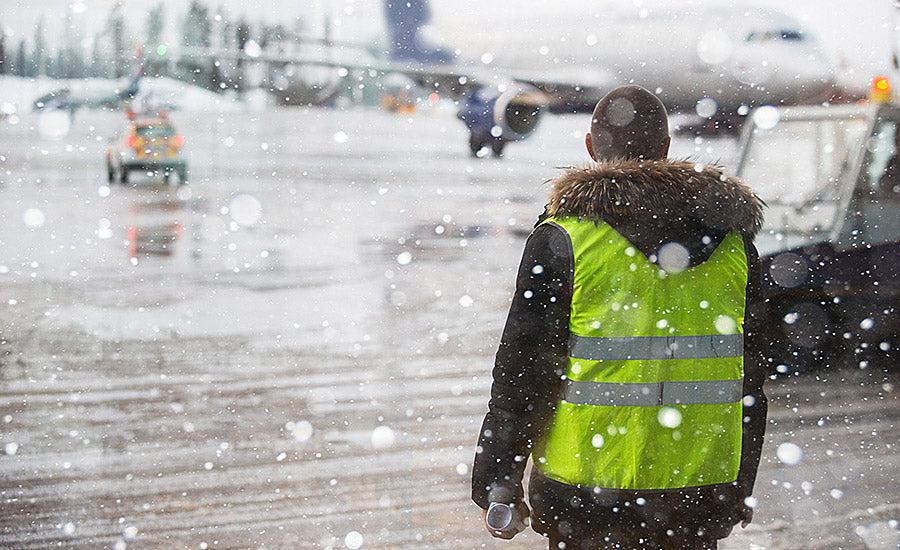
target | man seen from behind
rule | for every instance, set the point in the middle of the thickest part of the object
(628, 369)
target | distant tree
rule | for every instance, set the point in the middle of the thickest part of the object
(241, 37)
(53, 64)
(268, 35)
(69, 61)
(197, 27)
(115, 26)
(154, 29)
(63, 64)
(196, 31)
(37, 66)
(21, 60)
(223, 37)
(154, 26)
(99, 63)
(243, 33)
(217, 83)
(4, 64)
(229, 35)
(53, 60)
(219, 21)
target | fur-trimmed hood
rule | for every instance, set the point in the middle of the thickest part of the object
(627, 189)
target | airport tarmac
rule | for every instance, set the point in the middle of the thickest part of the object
(294, 350)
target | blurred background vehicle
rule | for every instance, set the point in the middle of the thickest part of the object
(830, 244)
(151, 145)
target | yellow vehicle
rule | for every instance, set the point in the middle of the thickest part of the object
(150, 145)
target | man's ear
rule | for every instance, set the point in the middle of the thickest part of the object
(589, 145)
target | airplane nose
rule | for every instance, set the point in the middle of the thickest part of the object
(807, 76)
(817, 76)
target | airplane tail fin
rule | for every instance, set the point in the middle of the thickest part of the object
(132, 88)
(404, 19)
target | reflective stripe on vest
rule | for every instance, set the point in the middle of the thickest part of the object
(655, 394)
(651, 398)
(655, 347)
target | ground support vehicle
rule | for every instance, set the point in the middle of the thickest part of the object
(830, 244)
(150, 145)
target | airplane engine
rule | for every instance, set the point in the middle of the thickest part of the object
(496, 116)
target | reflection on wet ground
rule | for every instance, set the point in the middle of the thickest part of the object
(156, 219)
(294, 350)
(153, 239)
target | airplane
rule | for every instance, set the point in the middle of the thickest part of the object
(94, 93)
(507, 67)
(716, 61)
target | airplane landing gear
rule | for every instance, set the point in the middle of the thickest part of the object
(479, 141)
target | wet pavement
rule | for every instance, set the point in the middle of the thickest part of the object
(294, 350)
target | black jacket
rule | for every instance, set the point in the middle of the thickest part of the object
(650, 203)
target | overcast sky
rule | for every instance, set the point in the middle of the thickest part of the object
(859, 31)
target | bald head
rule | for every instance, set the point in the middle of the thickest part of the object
(629, 122)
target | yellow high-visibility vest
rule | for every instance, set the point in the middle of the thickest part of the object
(652, 393)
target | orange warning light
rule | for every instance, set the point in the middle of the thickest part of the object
(881, 90)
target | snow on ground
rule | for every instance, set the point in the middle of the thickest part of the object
(181, 95)
(17, 94)
(309, 369)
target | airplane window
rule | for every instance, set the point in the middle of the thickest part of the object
(767, 36)
(762, 36)
(791, 35)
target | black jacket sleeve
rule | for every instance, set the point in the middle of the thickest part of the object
(755, 370)
(527, 371)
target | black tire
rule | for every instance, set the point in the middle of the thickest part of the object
(123, 175)
(182, 176)
(110, 173)
(497, 147)
(476, 143)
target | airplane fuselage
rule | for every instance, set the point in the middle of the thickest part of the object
(733, 55)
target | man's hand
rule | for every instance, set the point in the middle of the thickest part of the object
(516, 526)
